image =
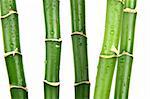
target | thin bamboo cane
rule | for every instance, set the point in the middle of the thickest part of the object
(53, 49)
(127, 41)
(108, 55)
(13, 57)
(79, 41)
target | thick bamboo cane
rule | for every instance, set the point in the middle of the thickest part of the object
(79, 41)
(13, 57)
(53, 49)
(127, 41)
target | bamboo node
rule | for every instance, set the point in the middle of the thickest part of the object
(129, 10)
(117, 54)
(16, 51)
(54, 84)
(82, 82)
(126, 53)
(8, 14)
(108, 56)
(53, 40)
(113, 49)
(18, 87)
(78, 33)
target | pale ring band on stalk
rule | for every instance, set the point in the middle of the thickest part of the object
(125, 53)
(113, 49)
(82, 82)
(18, 87)
(53, 40)
(129, 10)
(8, 14)
(55, 84)
(78, 33)
(16, 51)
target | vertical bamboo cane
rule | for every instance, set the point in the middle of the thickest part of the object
(127, 41)
(13, 57)
(108, 55)
(53, 49)
(79, 41)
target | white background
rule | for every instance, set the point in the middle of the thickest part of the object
(32, 33)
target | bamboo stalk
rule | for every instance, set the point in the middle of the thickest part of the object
(13, 57)
(79, 41)
(53, 49)
(108, 55)
(127, 41)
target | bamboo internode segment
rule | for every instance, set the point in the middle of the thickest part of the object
(18, 87)
(16, 51)
(53, 40)
(54, 84)
(130, 10)
(8, 14)
(78, 33)
(82, 82)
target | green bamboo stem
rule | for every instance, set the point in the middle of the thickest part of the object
(108, 57)
(79, 41)
(13, 57)
(127, 41)
(53, 49)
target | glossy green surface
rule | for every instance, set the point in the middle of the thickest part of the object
(52, 21)
(11, 42)
(111, 38)
(125, 62)
(80, 49)
(78, 15)
(53, 48)
(81, 66)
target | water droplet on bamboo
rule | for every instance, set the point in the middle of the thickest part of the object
(105, 46)
(107, 67)
(52, 33)
(122, 60)
(57, 46)
(112, 32)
